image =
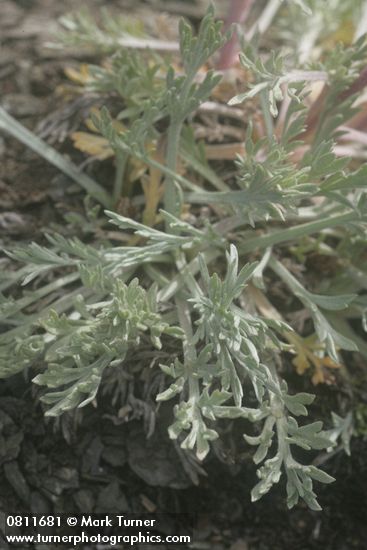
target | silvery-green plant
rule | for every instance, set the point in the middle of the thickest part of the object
(93, 311)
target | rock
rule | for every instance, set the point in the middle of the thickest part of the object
(112, 500)
(240, 544)
(17, 481)
(155, 460)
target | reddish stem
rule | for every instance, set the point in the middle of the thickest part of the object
(357, 85)
(317, 107)
(238, 11)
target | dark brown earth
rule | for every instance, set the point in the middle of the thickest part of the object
(101, 464)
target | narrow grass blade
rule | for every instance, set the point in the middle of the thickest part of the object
(18, 131)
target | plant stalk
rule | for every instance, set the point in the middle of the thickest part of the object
(121, 159)
(172, 202)
(284, 235)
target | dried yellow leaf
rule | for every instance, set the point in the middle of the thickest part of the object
(308, 354)
(81, 76)
(96, 146)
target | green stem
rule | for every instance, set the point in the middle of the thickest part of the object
(188, 346)
(286, 276)
(268, 119)
(284, 235)
(278, 411)
(172, 198)
(121, 159)
(172, 202)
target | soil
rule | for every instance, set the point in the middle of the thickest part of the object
(103, 465)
